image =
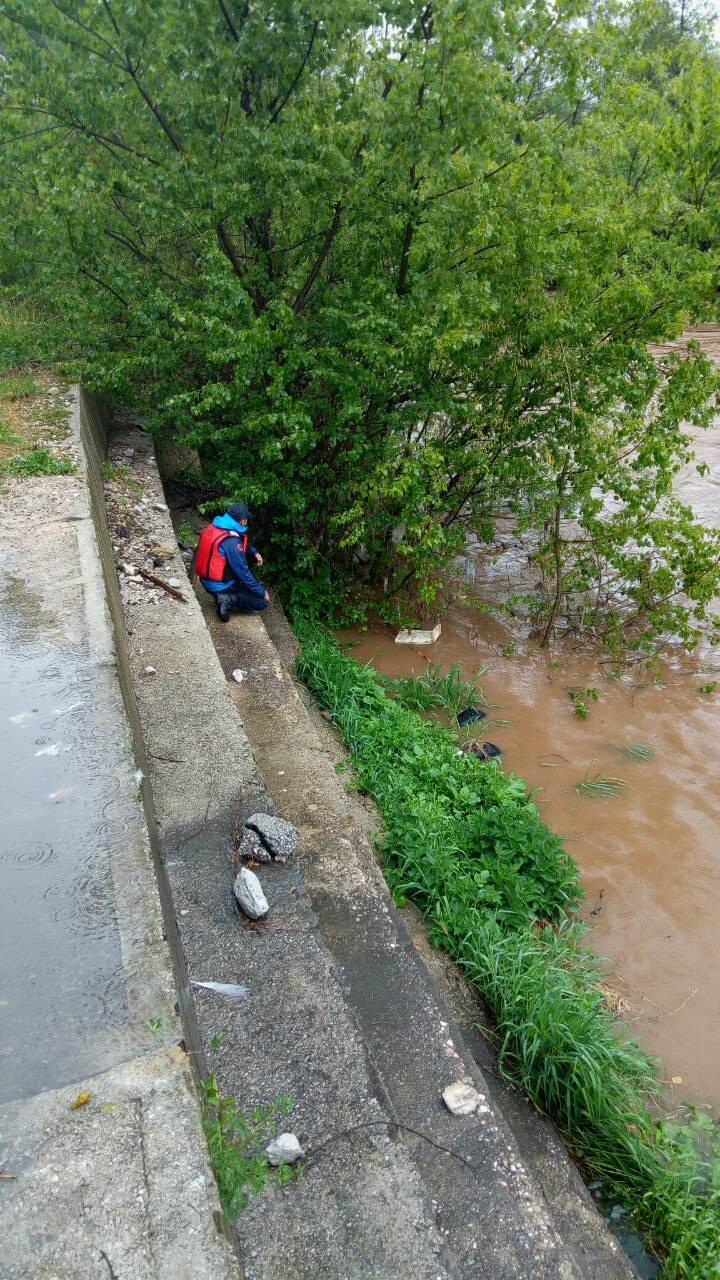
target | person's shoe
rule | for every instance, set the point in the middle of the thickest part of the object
(223, 608)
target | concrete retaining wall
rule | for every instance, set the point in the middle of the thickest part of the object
(342, 1016)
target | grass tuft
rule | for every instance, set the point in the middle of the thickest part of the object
(637, 751)
(38, 462)
(599, 784)
(17, 387)
(433, 690)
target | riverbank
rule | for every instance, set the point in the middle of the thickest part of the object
(104, 1163)
(463, 841)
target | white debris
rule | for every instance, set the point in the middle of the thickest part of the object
(138, 776)
(61, 794)
(232, 989)
(238, 675)
(159, 506)
(22, 719)
(52, 750)
(285, 1149)
(462, 1099)
(150, 671)
(417, 635)
(249, 894)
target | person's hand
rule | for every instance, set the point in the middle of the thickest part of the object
(267, 597)
(259, 560)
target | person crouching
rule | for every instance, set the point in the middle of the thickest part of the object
(222, 563)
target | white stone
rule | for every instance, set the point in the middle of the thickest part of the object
(249, 895)
(415, 635)
(159, 506)
(462, 1099)
(285, 1149)
(174, 582)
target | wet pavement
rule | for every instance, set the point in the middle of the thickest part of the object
(62, 987)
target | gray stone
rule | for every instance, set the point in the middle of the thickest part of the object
(285, 1149)
(461, 1099)
(249, 895)
(278, 836)
(252, 849)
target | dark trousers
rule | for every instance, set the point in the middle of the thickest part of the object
(236, 598)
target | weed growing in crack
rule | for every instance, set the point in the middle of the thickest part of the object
(235, 1144)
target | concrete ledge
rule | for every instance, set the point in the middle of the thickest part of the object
(118, 1187)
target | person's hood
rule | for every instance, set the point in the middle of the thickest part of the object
(227, 522)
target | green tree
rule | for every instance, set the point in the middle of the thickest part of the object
(384, 267)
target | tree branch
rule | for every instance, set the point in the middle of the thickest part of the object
(302, 295)
(300, 70)
(229, 22)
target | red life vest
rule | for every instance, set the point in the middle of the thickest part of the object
(209, 563)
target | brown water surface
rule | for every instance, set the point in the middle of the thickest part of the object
(650, 857)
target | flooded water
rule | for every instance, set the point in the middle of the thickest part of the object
(650, 855)
(62, 989)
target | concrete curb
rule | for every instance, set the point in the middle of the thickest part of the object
(119, 1184)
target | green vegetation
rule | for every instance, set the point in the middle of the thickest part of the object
(235, 1143)
(17, 387)
(464, 841)
(38, 462)
(388, 267)
(580, 699)
(599, 784)
(433, 689)
(637, 751)
(29, 332)
(187, 534)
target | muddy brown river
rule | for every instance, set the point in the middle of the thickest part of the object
(649, 856)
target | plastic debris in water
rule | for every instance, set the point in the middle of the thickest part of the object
(483, 750)
(22, 719)
(232, 989)
(470, 715)
(52, 750)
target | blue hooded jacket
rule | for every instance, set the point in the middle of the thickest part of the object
(237, 561)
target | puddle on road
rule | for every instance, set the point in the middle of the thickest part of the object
(649, 857)
(61, 981)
